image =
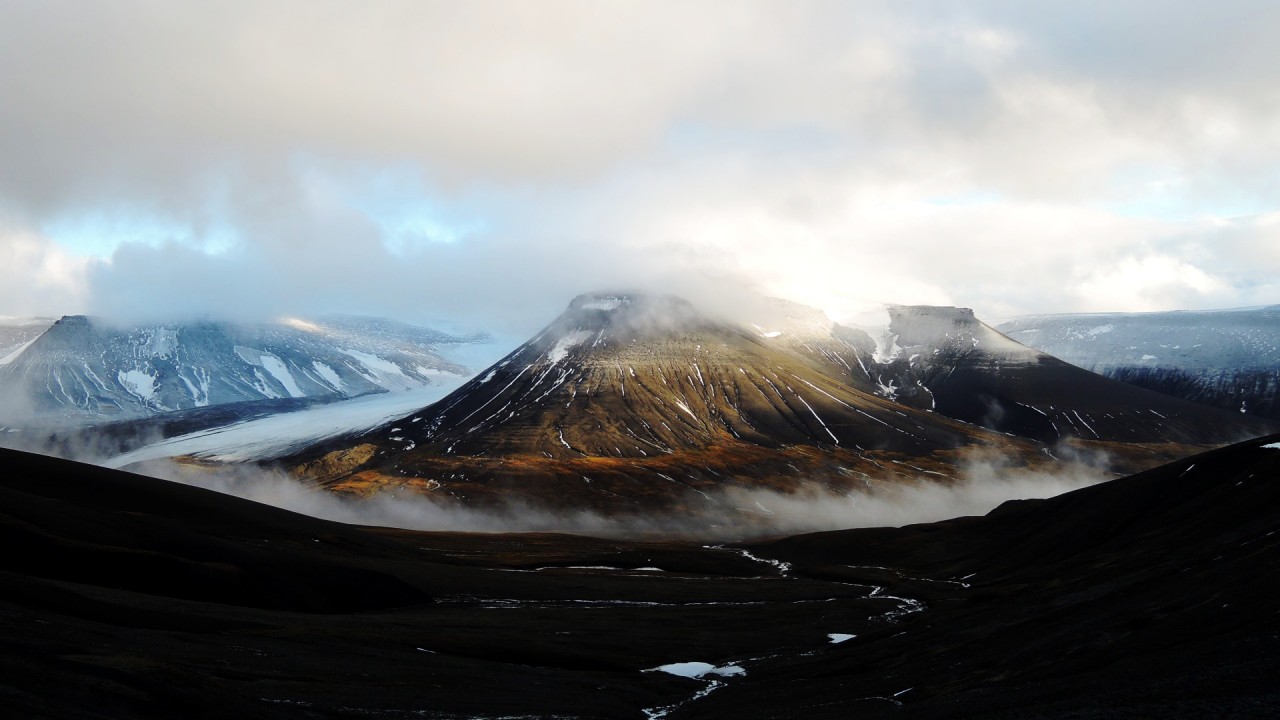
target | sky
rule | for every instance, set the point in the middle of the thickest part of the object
(484, 162)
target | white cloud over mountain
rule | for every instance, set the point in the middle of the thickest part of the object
(417, 157)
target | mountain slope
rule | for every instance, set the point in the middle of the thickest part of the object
(1229, 358)
(89, 370)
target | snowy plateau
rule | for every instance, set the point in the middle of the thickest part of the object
(1226, 358)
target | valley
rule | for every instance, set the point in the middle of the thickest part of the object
(135, 597)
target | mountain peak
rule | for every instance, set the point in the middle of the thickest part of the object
(74, 321)
(935, 313)
(627, 316)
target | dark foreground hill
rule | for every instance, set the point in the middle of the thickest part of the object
(1148, 596)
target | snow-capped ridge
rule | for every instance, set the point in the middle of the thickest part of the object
(82, 367)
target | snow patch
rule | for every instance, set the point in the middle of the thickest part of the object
(685, 408)
(139, 384)
(280, 372)
(330, 376)
(199, 393)
(381, 371)
(560, 350)
(696, 670)
(887, 349)
(374, 363)
(837, 638)
(1272, 446)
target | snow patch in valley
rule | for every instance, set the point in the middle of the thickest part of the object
(696, 670)
(1272, 446)
(837, 638)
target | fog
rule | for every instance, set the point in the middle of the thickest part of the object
(728, 514)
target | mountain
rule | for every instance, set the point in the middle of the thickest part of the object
(1227, 358)
(628, 402)
(965, 369)
(90, 370)
(1140, 597)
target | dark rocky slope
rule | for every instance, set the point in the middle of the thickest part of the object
(1144, 597)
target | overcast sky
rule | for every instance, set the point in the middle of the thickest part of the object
(486, 161)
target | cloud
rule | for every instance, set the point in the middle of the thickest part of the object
(37, 277)
(732, 513)
(493, 159)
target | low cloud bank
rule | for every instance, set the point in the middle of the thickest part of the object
(732, 513)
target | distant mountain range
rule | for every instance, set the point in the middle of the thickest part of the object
(89, 370)
(627, 402)
(1228, 358)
